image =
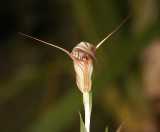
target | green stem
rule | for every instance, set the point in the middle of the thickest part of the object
(87, 101)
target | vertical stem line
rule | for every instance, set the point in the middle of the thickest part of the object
(87, 101)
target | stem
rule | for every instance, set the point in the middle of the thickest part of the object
(87, 101)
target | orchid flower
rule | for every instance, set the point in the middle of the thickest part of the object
(83, 56)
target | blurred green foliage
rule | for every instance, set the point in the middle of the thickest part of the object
(38, 91)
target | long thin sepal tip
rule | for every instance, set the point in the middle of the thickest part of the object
(114, 31)
(41, 41)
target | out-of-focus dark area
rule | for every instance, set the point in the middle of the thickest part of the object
(38, 92)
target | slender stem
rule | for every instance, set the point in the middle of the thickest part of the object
(87, 101)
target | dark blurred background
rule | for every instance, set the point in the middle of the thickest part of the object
(38, 92)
